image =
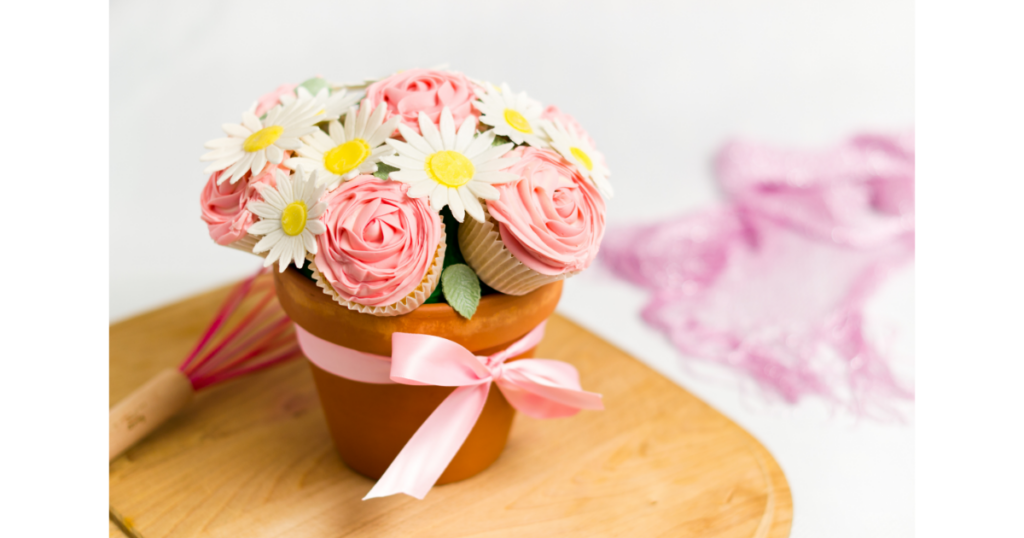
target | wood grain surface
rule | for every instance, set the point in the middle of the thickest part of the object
(253, 457)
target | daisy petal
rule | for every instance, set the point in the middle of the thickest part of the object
(483, 190)
(364, 114)
(473, 206)
(465, 136)
(250, 121)
(491, 154)
(430, 133)
(479, 144)
(407, 150)
(268, 242)
(273, 195)
(288, 143)
(420, 189)
(274, 154)
(408, 176)
(308, 241)
(316, 227)
(229, 142)
(497, 164)
(455, 204)
(447, 128)
(263, 210)
(264, 227)
(405, 163)
(258, 163)
(335, 133)
(233, 129)
(217, 166)
(439, 197)
(495, 177)
(384, 131)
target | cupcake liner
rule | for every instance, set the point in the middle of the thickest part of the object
(485, 252)
(246, 244)
(407, 304)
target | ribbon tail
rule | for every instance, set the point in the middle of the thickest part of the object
(427, 454)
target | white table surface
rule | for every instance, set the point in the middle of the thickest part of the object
(660, 87)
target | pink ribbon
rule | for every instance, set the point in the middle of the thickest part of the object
(538, 388)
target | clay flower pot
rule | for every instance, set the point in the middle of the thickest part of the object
(370, 423)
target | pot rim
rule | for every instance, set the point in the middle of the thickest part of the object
(500, 319)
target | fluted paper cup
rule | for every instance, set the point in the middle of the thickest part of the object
(247, 243)
(407, 304)
(485, 252)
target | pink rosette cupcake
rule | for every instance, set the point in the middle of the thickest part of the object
(545, 227)
(383, 252)
(408, 93)
(224, 208)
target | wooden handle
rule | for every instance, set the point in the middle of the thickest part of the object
(146, 408)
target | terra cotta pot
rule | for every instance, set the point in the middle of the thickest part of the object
(370, 423)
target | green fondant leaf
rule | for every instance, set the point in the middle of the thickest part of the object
(315, 84)
(383, 170)
(461, 289)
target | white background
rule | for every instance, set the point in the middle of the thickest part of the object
(659, 86)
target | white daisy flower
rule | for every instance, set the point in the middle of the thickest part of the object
(289, 219)
(513, 115)
(347, 152)
(450, 168)
(254, 143)
(582, 155)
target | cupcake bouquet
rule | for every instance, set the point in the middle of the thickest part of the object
(422, 187)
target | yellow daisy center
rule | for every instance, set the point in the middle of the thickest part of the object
(346, 157)
(262, 138)
(293, 218)
(582, 157)
(516, 121)
(450, 168)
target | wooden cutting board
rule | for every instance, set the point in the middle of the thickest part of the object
(253, 457)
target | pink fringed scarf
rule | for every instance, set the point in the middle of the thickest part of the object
(773, 283)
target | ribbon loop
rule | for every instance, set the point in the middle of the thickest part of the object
(539, 388)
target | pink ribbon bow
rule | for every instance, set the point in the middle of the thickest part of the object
(539, 388)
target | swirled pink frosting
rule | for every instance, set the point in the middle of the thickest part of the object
(272, 99)
(424, 90)
(224, 206)
(223, 210)
(379, 243)
(552, 219)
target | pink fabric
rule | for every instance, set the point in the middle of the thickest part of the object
(424, 90)
(773, 283)
(272, 99)
(379, 243)
(538, 388)
(552, 219)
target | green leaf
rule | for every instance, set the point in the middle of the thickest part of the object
(315, 84)
(461, 289)
(383, 170)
